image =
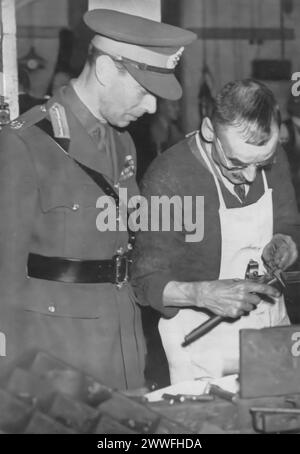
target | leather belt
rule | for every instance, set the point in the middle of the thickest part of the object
(74, 271)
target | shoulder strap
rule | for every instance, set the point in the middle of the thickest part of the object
(29, 118)
(100, 180)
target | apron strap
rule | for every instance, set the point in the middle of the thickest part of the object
(196, 148)
(266, 186)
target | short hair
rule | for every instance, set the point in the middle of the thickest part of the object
(94, 53)
(249, 106)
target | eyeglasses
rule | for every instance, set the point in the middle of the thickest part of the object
(228, 166)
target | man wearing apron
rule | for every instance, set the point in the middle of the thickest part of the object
(249, 213)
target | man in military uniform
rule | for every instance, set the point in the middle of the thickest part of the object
(64, 283)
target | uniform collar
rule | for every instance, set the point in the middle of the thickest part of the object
(80, 110)
(82, 146)
(80, 122)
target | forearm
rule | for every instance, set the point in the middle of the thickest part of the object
(228, 298)
(184, 294)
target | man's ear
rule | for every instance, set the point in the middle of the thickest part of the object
(105, 69)
(207, 130)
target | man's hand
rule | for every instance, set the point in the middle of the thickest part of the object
(232, 297)
(280, 253)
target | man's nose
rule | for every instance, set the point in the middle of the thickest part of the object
(249, 173)
(150, 103)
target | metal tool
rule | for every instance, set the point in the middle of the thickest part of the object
(252, 270)
(251, 273)
(202, 329)
(277, 273)
(274, 272)
(181, 398)
(283, 277)
(217, 391)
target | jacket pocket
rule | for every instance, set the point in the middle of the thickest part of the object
(58, 299)
(55, 198)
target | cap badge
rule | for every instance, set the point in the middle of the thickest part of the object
(173, 60)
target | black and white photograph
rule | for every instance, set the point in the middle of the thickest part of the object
(149, 221)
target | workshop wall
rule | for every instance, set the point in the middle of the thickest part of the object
(146, 8)
(231, 59)
(38, 25)
(40, 21)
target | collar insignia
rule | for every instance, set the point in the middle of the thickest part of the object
(129, 168)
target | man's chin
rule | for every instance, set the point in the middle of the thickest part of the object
(234, 179)
(238, 181)
(120, 123)
(124, 122)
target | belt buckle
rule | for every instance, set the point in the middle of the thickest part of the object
(122, 269)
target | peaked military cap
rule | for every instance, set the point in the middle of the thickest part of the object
(148, 49)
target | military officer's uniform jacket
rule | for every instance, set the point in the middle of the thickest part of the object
(49, 207)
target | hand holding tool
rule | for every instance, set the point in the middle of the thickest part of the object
(251, 273)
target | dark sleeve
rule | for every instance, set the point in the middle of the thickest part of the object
(17, 201)
(286, 215)
(155, 253)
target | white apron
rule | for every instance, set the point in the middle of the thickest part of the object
(245, 231)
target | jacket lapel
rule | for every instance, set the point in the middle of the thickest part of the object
(84, 149)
